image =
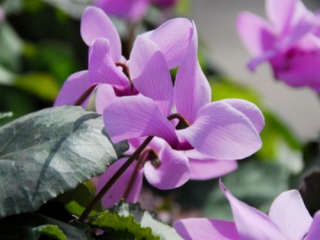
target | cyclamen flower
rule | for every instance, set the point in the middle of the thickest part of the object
(289, 42)
(288, 219)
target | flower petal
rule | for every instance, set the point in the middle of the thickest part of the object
(116, 192)
(96, 24)
(314, 231)
(192, 89)
(290, 214)
(137, 116)
(150, 73)
(173, 39)
(173, 171)
(250, 222)
(102, 68)
(206, 229)
(73, 88)
(255, 32)
(104, 95)
(222, 132)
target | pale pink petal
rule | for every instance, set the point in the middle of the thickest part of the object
(192, 89)
(314, 231)
(137, 116)
(250, 222)
(206, 229)
(102, 68)
(222, 132)
(116, 192)
(173, 171)
(255, 32)
(150, 73)
(173, 39)
(104, 95)
(96, 24)
(73, 88)
(290, 214)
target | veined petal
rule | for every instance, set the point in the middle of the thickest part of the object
(314, 231)
(206, 229)
(290, 214)
(116, 192)
(137, 116)
(73, 88)
(102, 68)
(255, 33)
(104, 95)
(222, 132)
(96, 24)
(173, 171)
(173, 39)
(250, 110)
(150, 73)
(192, 89)
(251, 223)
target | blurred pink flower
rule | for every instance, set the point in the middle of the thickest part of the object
(2, 15)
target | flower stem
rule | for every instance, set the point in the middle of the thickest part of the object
(114, 178)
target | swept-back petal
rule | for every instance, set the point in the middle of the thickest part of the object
(104, 95)
(251, 223)
(255, 33)
(250, 110)
(73, 88)
(96, 24)
(206, 229)
(173, 171)
(314, 231)
(290, 214)
(222, 132)
(102, 68)
(116, 192)
(173, 39)
(150, 73)
(137, 116)
(191, 90)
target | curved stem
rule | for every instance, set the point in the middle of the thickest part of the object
(84, 96)
(114, 178)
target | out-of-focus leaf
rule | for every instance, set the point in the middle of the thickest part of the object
(12, 6)
(6, 77)
(49, 152)
(51, 230)
(183, 7)
(5, 114)
(74, 8)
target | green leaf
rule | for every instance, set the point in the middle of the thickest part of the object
(49, 152)
(51, 230)
(5, 114)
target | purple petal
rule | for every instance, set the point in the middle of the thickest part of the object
(104, 95)
(255, 32)
(206, 229)
(256, 61)
(102, 68)
(150, 73)
(173, 171)
(314, 231)
(73, 88)
(250, 110)
(165, 3)
(137, 116)
(173, 39)
(251, 223)
(116, 192)
(191, 90)
(96, 24)
(290, 214)
(222, 132)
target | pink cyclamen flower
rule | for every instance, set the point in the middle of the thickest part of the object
(288, 219)
(289, 42)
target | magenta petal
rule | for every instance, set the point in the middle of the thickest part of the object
(255, 32)
(104, 95)
(137, 116)
(290, 214)
(173, 171)
(206, 229)
(250, 110)
(314, 231)
(173, 39)
(150, 73)
(96, 24)
(191, 82)
(102, 68)
(73, 88)
(222, 132)
(251, 223)
(116, 192)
